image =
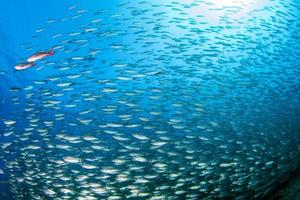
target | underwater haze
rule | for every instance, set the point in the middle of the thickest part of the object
(148, 99)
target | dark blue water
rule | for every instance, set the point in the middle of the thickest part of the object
(151, 100)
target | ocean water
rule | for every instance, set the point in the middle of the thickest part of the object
(156, 100)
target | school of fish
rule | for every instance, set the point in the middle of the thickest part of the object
(158, 101)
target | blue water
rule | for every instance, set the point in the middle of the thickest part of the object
(151, 100)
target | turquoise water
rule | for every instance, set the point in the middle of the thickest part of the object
(149, 100)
